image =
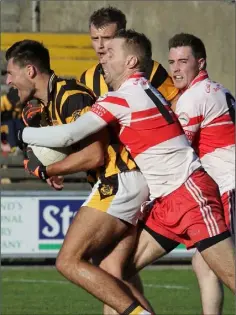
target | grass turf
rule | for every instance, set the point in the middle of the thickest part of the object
(42, 291)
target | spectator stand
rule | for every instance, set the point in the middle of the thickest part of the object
(71, 55)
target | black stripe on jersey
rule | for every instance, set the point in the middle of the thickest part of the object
(77, 101)
(149, 68)
(73, 84)
(116, 146)
(96, 80)
(58, 104)
(162, 109)
(82, 78)
(75, 105)
(159, 77)
(230, 102)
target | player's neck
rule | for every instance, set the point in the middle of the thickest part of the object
(116, 84)
(42, 88)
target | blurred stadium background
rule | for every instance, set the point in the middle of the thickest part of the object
(34, 218)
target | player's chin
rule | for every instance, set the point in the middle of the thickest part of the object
(179, 84)
(100, 56)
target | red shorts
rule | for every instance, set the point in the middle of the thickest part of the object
(228, 200)
(191, 213)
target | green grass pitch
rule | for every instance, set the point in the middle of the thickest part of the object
(42, 291)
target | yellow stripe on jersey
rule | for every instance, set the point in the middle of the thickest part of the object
(89, 77)
(95, 80)
(154, 69)
(5, 103)
(67, 94)
(58, 116)
(71, 97)
(103, 86)
(117, 162)
(101, 204)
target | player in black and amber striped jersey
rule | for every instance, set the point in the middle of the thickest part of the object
(70, 99)
(113, 207)
(103, 24)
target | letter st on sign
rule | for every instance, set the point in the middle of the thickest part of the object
(55, 217)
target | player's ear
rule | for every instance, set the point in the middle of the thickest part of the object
(31, 71)
(201, 64)
(132, 61)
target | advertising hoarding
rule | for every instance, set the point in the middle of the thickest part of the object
(35, 226)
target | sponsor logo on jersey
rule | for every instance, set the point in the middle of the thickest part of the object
(76, 114)
(184, 119)
(99, 110)
(106, 190)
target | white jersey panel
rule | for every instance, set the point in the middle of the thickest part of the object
(206, 112)
(152, 134)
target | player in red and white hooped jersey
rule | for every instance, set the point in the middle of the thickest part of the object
(150, 131)
(186, 205)
(206, 111)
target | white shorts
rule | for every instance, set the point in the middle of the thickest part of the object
(120, 195)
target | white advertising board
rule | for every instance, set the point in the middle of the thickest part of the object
(35, 226)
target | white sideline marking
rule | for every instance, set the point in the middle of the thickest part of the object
(171, 287)
(167, 286)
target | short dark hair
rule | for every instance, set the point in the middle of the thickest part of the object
(139, 44)
(30, 52)
(183, 39)
(108, 15)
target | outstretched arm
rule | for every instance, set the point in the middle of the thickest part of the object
(89, 157)
(64, 135)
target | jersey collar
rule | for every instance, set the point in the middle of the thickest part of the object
(51, 85)
(202, 75)
(136, 75)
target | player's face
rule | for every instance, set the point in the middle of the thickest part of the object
(184, 67)
(101, 36)
(114, 62)
(19, 78)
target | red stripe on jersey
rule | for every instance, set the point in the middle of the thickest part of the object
(103, 113)
(222, 118)
(143, 135)
(195, 120)
(137, 75)
(215, 137)
(115, 100)
(152, 122)
(145, 113)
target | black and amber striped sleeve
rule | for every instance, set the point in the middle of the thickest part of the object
(161, 80)
(75, 102)
(91, 78)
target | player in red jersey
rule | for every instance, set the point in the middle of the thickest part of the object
(206, 111)
(186, 205)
